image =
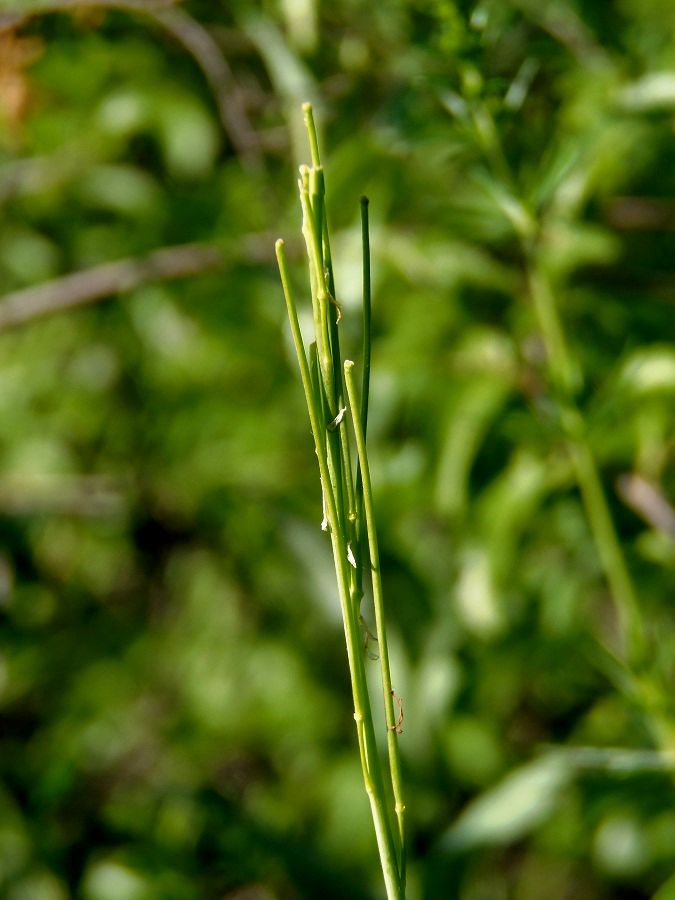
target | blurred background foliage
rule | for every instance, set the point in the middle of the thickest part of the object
(174, 712)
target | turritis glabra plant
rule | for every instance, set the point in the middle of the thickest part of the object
(338, 417)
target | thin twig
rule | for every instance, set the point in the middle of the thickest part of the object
(98, 282)
(36, 173)
(80, 496)
(210, 59)
(648, 501)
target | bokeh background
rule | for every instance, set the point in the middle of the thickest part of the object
(175, 718)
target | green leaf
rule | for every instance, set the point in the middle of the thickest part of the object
(650, 371)
(512, 809)
(666, 891)
(655, 91)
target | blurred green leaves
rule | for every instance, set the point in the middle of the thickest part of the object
(509, 811)
(172, 691)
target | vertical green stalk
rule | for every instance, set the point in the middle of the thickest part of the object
(361, 539)
(565, 378)
(564, 374)
(323, 384)
(362, 711)
(392, 720)
(643, 681)
(367, 315)
(609, 550)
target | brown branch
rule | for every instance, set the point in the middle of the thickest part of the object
(106, 280)
(210, 59)
(86, 496)
(641, 213)
(648, 501)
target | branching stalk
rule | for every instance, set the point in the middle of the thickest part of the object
(347, 500)
(566, 378)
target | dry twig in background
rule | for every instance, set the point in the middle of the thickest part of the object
(122, 276)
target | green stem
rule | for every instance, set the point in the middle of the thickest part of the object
(372, 773)
(330, 313)
(334, 314)
(365, 388)
(367, 315)
(308, 114)
(566, 378)
(609, 549)
(392, 719)
(564, 374)
(320, 296)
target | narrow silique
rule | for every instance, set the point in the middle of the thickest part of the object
(338, 417)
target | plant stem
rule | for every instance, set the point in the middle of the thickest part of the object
(393, 724)
(367, 315)
(566, 378)
(361, 539)
(323, 386)
(609, 550)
